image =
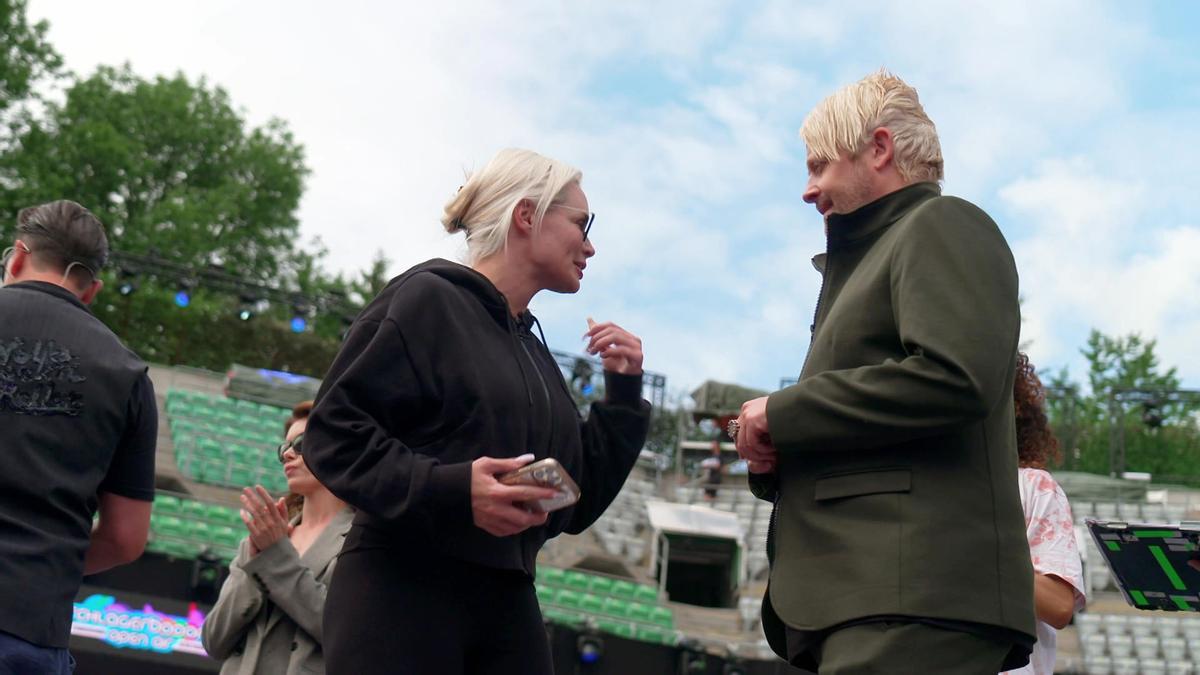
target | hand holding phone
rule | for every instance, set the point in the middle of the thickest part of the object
(545, 473)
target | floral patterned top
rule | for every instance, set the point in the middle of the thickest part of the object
(1051, 532)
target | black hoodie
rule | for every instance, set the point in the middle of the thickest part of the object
(436, 373)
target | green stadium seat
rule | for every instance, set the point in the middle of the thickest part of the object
(568, 598)
(650, 634)
(591, 603)
(545, 594)
(171, 526)
(601, 585)
(577, 580)
(179, 549)
(639, 612)
(199, 531)
(166, 504)
(646, 594)
(623, 589)
(194, 509)
(243, 477)
(551, 575)
(220, 515)
(227, 536)
(564, 616)
(622, 628)
(662, 617)
(616, 607)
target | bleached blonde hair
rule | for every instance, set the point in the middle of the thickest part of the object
(483, 207)
(845, 121)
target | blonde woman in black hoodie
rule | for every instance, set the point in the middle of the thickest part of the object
(440, 387)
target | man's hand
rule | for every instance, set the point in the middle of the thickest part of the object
(495, 507)
(753, 438)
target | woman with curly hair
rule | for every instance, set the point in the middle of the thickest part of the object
(1058, 573)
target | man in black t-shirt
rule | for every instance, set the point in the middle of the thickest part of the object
(78, 424)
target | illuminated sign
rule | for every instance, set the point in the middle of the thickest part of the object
(101, 617)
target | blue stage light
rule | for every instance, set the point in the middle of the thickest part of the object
(590, 649)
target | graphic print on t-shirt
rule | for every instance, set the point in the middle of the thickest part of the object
(36, 378)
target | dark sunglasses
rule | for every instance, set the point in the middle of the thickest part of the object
(293, 445)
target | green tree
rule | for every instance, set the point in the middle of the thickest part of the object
(25, 55)
(373, 279)
(1134, 419)
(170, 167)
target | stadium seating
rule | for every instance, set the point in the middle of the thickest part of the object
(1158, 643)
(225, 441)
(183, 527)
(616, 606)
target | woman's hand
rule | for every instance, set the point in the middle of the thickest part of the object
(620, 350)
(265, 519)
(496, 507)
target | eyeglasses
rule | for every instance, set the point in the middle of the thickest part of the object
(586, 227)
(293, 445)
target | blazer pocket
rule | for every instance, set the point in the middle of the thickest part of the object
(863, 483)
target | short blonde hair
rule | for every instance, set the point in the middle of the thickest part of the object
(483, 207)
(845, 120)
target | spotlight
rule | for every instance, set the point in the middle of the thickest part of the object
(301, 310)
(251, 306)
(590, 648)
(183, 297)
(126, 285)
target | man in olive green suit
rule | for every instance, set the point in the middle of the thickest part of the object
(897, 540)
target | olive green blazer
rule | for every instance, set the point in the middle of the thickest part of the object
(896, 481)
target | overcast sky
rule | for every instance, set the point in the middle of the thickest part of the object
(1074, 124)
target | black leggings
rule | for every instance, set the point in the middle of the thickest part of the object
(388, 613)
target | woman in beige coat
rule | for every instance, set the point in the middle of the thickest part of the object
(268, 616)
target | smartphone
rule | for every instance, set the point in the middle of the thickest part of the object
(545, 473)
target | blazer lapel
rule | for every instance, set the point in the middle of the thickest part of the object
(328, 544)
(319, 553)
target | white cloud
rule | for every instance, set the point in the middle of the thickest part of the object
(1095, 260)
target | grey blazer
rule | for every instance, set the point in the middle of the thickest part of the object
(268, 616)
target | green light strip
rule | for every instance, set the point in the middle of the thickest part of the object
(1113, 546)
(1161, 557)
(1181, 603)
(1159, 534)
(1138, 598)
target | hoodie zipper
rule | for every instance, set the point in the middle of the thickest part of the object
(545, 393)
